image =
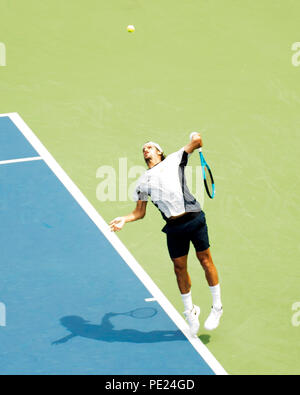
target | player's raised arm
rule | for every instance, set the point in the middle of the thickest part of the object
(138, 213)
(195, 143)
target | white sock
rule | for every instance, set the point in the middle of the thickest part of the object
(216, 295)
(187, 301)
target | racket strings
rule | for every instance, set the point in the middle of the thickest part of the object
(207, 177)
(209, 182)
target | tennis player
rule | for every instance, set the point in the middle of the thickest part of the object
(164, 181)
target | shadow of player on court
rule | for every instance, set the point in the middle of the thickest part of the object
(78, 327)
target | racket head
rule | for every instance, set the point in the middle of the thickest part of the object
(207, 177)
(143, 313)
(209, 181)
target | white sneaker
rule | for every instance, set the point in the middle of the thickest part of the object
(213, 319)
(192, 317)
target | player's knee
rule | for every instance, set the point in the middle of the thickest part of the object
(179, 270)
(206, 262)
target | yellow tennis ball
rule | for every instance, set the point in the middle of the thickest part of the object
(130, 28)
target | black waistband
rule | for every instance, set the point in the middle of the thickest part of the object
(183, 219)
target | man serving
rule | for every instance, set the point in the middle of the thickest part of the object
(164, 181)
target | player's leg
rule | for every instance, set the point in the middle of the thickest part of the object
(191, 312)
(208, 266)
(200, 240)
(182, 275)
(212, 278)
(178, 247)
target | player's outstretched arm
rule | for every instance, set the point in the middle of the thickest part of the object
(138, 213)
(195, 143)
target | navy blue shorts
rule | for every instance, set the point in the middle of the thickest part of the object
(180, 232)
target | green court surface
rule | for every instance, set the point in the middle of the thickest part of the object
(94, 93)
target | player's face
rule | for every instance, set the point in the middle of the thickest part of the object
(150, 152)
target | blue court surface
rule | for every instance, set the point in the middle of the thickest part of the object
(65, 286)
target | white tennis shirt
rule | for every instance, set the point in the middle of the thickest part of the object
(165, 183)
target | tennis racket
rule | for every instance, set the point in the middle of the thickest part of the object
(141, 313)
(206, 172)
(207, 176)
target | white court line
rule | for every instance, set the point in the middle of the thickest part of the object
(117, 244)
(150, 300)
(7, 162)
(6, 115)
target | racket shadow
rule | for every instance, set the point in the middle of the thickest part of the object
(105, 331)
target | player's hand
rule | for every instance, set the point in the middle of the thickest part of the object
(196, 137)
(117, 224)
